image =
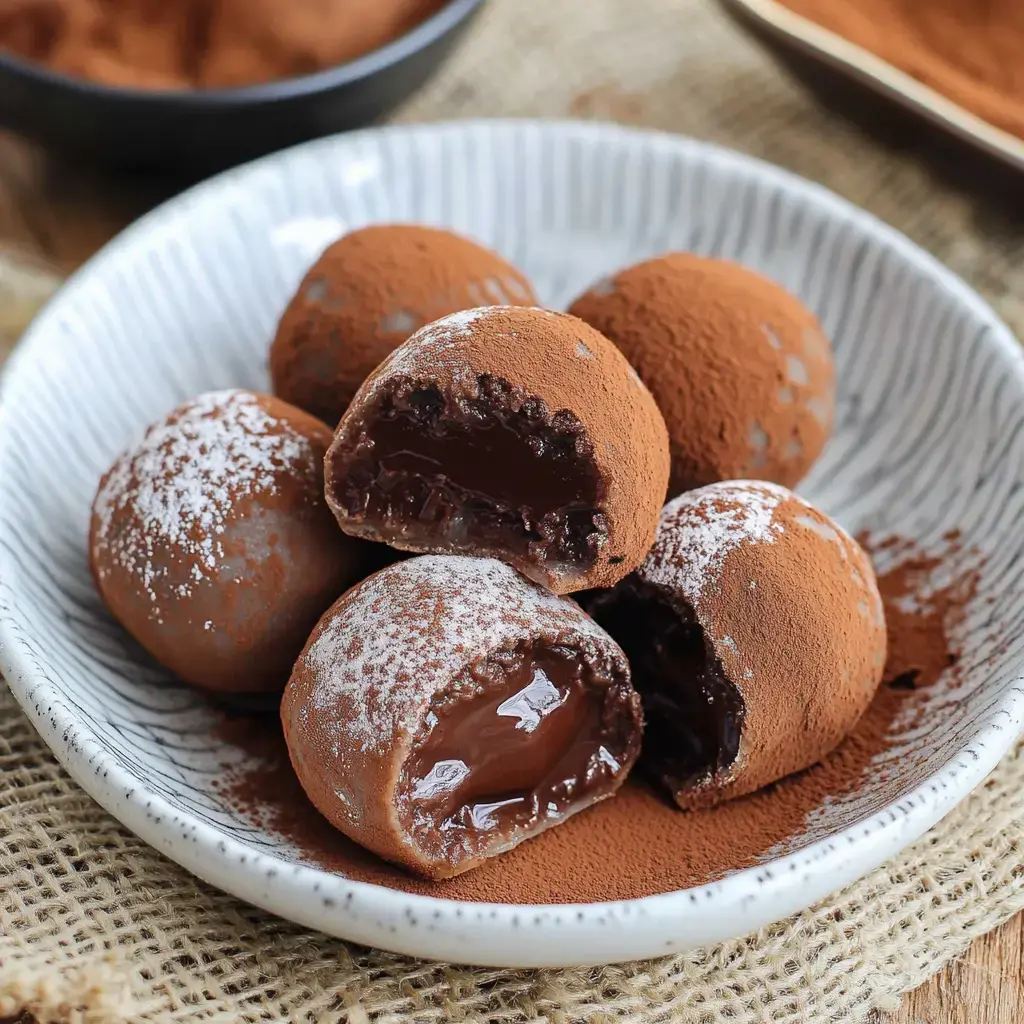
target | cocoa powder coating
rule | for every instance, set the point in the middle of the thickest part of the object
(791, 618)
(399, 659)
(579, 419)
(639, 844)
(211, 542)
(739, 367)
(367, 294)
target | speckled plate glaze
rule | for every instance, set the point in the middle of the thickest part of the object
(930, 437)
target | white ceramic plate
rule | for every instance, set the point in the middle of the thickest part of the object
(792, 33)
(930, 436)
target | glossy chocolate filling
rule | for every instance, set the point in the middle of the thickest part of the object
(495, 474)
(693, 714)
(546, 737)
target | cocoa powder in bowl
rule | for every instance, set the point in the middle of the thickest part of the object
(639, 844)
(366, 294)
(741, 369)
(181, 44)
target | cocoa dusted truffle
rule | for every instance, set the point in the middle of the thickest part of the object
(756, 636)
(507, 432)
(446, 709)
(740, 368)
(211, 542)
(366, 294)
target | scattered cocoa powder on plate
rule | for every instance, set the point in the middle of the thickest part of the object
(920, 615)
(638, 844)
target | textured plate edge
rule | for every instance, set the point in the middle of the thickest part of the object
(477, 932)
(882, 77)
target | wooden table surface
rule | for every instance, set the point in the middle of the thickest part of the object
(62, 216)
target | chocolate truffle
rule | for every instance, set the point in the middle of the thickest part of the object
(740, 368)
(507, 432)
(366, 294)
(446, 709)
(211, 542)
(756, 636)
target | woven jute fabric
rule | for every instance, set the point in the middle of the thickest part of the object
(96, 927)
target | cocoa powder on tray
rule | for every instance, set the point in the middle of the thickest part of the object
(638, 844)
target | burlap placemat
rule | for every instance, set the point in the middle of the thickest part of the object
(95, 926)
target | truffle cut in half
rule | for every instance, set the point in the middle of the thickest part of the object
(506, 432)
(366, 294)
(741, 369)
(756, 637)
(212, 544)
(446, 709)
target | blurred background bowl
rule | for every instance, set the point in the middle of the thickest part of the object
(194, 132)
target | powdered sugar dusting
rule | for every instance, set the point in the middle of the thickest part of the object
(698, 529)
(169, 497)
(405, 633)
(434, 339)
(435, 345)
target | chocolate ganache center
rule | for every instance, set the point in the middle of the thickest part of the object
(497, 472)
(545, 734)
(693, 713)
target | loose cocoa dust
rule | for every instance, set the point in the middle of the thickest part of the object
(638, 844)
(205, 44)
(971, 52)
(919, 615)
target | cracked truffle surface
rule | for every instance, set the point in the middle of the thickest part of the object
(367, 294)
(211, 542)
(446, 709)
(756, 637)
(505, 432)
(741, 369)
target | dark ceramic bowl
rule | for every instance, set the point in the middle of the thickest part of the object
(194, 132)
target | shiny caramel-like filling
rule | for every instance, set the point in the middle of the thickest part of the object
(544, 738)
(495, 474)
(693, 714)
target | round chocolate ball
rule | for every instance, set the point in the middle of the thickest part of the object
(211, 542)
(741, 369)
(446, 709)
(506, 432)
(756, 637)
(367, 294)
